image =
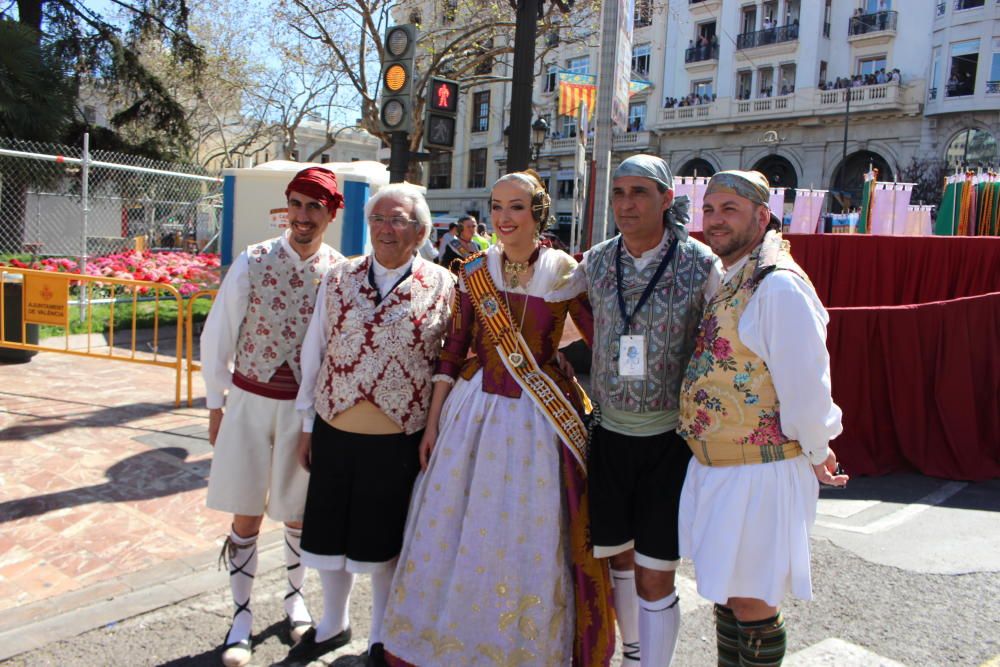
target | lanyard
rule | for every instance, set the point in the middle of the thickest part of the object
(371, 281)
(649, 287)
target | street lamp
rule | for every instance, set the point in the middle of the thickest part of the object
(539, 130)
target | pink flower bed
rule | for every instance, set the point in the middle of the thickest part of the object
(187, 273)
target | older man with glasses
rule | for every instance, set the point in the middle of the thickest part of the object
(367, 362)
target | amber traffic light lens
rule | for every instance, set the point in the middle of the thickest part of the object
(395, 78)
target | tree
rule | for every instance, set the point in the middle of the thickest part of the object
(87, 47)
(36, 100)
(464, 39)
(927, 175)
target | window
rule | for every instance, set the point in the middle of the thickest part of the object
(481, 111)
(450, 10)
(564, 188)
(707, 30)
(964, 63)
(744, 81)
(324, 158)
(826, 18)
(871, 65)
(579, 65)
(640, 59)
(568, 126)
(749, 22)
(477, 168)
(872, 6)
(822, 72)
(551, 79)
(702, 88)
(972, 148)
(439, 171)
(935, 74)
(993, 85)
(294, 156)
(90, 114)
(637, 117)
(968, 4)
(643, 13)
(564, 219)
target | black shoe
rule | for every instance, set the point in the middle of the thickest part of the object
(376, 656)
(308, 649)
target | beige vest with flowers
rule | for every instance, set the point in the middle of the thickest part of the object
(730, 414)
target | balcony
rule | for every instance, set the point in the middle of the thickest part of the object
(698, 54)
(621, 141)
(878, 26)
(750, 40)
(801, 104)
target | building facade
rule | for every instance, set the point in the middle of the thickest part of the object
(812, 93)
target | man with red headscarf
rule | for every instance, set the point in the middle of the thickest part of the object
(250, 349)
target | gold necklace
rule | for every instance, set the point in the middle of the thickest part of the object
(512, 270)
(516, 358)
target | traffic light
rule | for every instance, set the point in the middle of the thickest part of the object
(442, 108)
(396, 100)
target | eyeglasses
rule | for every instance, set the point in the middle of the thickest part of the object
(396, 221)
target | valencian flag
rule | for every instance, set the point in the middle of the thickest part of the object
(867, 198)
(576, 88)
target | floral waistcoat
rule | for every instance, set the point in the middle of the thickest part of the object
(730, 413)
(281, 299)
(668, 320)
(383, 352)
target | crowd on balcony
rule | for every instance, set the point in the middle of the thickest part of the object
(862, 23)
(858, 80)
(706, 48)
(688, 101)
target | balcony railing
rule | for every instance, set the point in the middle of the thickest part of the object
(785, 33)
(697, 54)
(960, 89)
(804, 103)
(875, 22)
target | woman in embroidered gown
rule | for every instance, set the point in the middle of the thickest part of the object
(495, 568)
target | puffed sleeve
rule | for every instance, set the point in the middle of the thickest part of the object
(221, 331)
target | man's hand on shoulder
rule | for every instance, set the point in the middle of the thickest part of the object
(214, 422)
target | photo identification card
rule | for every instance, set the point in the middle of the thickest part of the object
(632, 356)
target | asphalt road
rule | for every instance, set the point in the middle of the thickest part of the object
(906, 571)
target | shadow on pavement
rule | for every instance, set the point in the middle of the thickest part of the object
(142, 476)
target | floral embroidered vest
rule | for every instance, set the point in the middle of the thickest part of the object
(668, 320)
(383, 352)
(281, 299)
(730, 413)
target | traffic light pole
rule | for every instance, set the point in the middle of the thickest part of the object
(399, 157)
(525, 32)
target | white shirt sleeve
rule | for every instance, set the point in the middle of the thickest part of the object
(785, 325)
(311, 359)
(221, 332)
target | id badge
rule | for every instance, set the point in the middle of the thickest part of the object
(632, 356)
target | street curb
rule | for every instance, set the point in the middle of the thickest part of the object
(35, 625)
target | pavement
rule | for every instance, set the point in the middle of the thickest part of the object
(108, 555)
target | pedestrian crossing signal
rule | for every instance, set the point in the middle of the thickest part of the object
(442, 109)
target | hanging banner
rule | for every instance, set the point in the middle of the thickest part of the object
(577, 89)
(45, 300)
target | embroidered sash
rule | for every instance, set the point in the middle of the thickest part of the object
(519, 360)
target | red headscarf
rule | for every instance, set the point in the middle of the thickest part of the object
(320, 184)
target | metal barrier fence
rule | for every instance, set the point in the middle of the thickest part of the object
(68, 201)
(45, 300)
(189, 341)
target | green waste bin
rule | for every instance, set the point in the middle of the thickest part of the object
(13, 312)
